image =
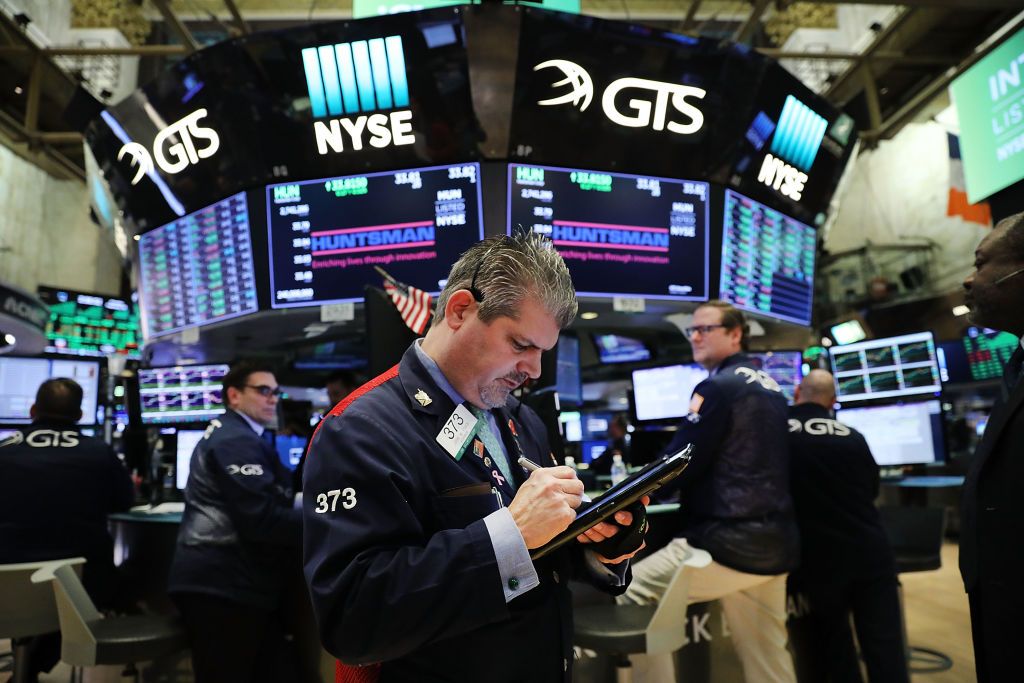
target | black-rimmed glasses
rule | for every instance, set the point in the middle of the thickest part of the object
(265, 391)
(702, 329)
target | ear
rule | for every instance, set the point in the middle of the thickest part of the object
(736, 336)
(32, 412)
(232, 398)
(460, 306)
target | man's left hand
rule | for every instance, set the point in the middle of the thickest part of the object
(603, 530)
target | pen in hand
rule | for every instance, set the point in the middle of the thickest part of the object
(530, 465)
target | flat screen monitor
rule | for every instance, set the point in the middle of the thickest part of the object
(290, 448)
(89, 324)
(197, 269)
(591, 450)
(568, 382)
(181, 394)
(988, 352)
(20, 379)
(186, 444)
(767, 261)
(327, 235)
(785, 367)
(615, 348)
(848, 332)
(900, 434)
(664, 393)
(619, 234)
(886, 368)
(572, 425)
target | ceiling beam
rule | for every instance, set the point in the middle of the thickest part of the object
(237, 16)
(175, 24)
(746, 31)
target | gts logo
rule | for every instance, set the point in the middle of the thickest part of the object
(249, 469)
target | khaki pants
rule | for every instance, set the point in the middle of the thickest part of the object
(754, 607)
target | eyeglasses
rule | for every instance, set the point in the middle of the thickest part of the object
(702, 329)
(265, 391)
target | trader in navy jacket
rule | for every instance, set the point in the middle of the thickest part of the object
(239, 536)
(418, 520)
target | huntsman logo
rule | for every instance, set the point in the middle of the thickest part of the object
(647, 104)
(182, 148)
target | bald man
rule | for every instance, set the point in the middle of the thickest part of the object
(846, 563)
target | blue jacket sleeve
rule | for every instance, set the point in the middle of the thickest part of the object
(257, 503)
(388, 570)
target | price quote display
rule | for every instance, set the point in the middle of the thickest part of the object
(181, 394)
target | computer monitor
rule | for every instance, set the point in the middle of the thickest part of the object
(664, 393)
(568, 381)
(290, 448)
(767, 261)
(888, 368)
(900, 434)
(590, 450)
(186, 444)
(572, 425)
(181, 394)
(616, 348)
(848, 332)
(620, 234)
(785, 367)
(85, 324)
(988, 351)
(197, 269)
(595, 424)
(20, 379)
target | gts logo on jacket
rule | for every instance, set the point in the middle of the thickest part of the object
(44, 438)
(249, 469)
(819, 426)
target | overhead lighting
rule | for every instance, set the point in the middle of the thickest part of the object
(18, 90)
(137, 238)
(826, 342)
(589, 315)
(961, 310)
(10, 339)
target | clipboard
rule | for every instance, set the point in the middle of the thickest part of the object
(651, 478)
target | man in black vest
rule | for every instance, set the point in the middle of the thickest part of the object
(846, 562)
(992, 518)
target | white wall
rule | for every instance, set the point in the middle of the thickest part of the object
(46, 235)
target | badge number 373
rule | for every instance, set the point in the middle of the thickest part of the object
(329, 501)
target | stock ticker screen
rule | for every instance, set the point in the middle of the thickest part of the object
(89, 324)
(198, 269)
(767, 261)
(619, 234)
(988, 352)
(327, 235)
(886, 368)
(181, 394)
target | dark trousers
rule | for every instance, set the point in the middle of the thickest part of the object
(235, 643)
(819, 630)
(997, 631)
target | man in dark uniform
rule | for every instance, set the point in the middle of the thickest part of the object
(846, 563)
(418, 519)
(239, 536)
(992, 519)
(57, 487)
(736, 502)
(618, 429)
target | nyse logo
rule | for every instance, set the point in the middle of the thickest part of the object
(174, 147)
(797, 140)
(356, 78)
(647, 103)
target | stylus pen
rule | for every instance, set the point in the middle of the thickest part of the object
(532, 466)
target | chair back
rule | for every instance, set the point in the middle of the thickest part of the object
(666, 631)
(28, 609)
(915, 534)
(75, 611)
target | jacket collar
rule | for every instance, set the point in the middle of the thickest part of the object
(735, 359)
(809, 410)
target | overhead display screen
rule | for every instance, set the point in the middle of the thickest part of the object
(767, 261)
(664, 393)
(619, 234)
(327, 235)
(988, 352)
(901, 434)
(89, 324)
(181, 394)
(885, 368)
(20, 379)
(198, 269)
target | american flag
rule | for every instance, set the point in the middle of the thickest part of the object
(414, 305)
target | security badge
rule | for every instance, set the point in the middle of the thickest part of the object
(457, 431)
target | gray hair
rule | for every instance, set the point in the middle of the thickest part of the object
(506, 271)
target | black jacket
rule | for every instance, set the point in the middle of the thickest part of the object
(735, 493)
(57, 487)
(239, 532)
(834, 482)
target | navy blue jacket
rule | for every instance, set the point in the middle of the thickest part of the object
(57, 487)
(834, 482)
(239, 533)
(735, 493)
(398, 559)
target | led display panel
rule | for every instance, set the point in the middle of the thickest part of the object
(89, 324)
(785, 367)
(198, 269)
(664, 393)
(20, 379)
(327, 235)
(767, 261)
(619, 234)
(900, 434)
(615, 348)
(886, 368)
(181, 394)
(988, 352)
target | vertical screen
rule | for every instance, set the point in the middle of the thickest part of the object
(198, 269)
(619, 234)
(767, 261)
(327, 235)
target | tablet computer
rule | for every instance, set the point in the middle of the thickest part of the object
(642, 482)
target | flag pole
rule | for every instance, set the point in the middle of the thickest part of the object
(384, 274)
